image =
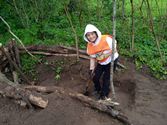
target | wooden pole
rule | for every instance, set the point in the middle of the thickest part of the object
(113, 50)
(132, 30)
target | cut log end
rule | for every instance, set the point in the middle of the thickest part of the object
(40, 102)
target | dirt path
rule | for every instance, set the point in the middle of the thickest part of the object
(150, 102)
(142, 98)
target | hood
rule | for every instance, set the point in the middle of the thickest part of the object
(91, 28)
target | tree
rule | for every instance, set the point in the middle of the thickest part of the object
(132, 30)
(74, 31)
(123, 9)
(113, 49)
(152, 29)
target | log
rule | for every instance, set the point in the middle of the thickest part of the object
(74, 49)
(44, 48)
(56, 54)
(5, 80)
(50, 54)
(28, 97)
(20, 94)
(103, 107)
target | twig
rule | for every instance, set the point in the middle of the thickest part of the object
(9, 29)
(121, 65)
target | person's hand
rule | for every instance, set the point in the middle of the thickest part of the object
(101, 57)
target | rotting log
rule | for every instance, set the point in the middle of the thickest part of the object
(5, 80)
(19, 94)
(103, 107)
(28, 97)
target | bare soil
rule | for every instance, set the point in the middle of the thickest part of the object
(142, 98)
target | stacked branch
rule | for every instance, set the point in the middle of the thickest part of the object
(54, 51)
(58, 51)
(20, 95)
(10, 61)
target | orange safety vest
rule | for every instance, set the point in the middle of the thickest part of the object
(102, 46)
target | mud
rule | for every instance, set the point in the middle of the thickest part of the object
(142, 98)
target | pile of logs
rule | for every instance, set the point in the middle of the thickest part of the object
(10, 61)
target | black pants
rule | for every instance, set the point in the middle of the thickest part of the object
(104, 71)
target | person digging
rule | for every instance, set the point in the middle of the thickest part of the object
(99, 48)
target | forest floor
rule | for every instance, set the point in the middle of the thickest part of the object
(142, 98)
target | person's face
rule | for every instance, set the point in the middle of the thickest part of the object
(91, 36)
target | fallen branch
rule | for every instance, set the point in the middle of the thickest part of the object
(121, 65)
(87, 57)
(103, 107)
(21, 95)
(57, 54)
(74, 49)
(51, 54)
(44, 48)
(14, 64)
(27, 96)
(3, 79)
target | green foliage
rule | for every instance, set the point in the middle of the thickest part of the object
(147, 54)
(41, 22)
(28, 65)
(58, 69)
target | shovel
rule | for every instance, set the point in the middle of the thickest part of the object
(88, 83)
(86, 93)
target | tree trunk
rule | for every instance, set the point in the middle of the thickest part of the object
(113, 49)
(153, 32)
(132, 30)
(74, 31)
(123, 9)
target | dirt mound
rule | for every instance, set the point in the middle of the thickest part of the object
(142, 99)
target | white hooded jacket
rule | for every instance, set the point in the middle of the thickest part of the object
(92, 28)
